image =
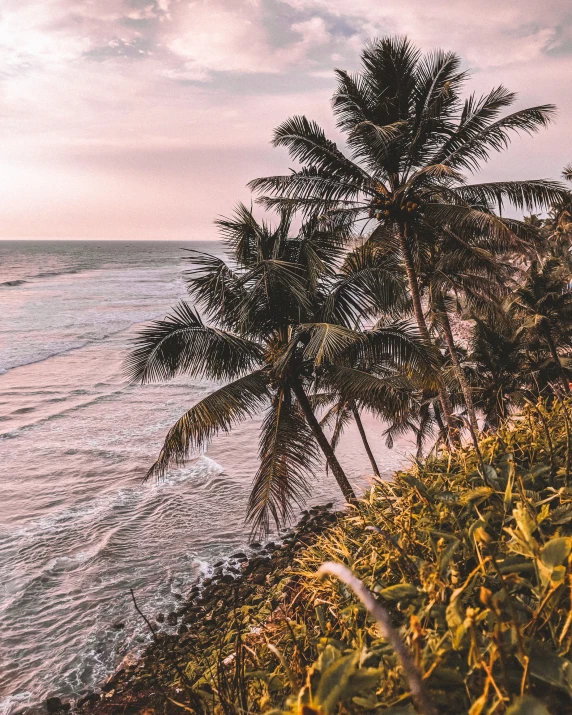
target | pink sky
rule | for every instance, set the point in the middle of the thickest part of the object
(146, 118)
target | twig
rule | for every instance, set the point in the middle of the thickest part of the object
(419, 693)
(193, 698)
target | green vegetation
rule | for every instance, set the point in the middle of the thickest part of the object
(473, 570)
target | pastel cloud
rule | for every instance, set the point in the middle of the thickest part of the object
(145, 118)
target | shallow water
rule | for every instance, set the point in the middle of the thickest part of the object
(78, 527)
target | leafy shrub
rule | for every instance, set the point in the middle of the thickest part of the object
(474, 563)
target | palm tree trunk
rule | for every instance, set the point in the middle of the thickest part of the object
(466, 390)
(422, 325)
(363, 436)
(322, 440)
(556, 358)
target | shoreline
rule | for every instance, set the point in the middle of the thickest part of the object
(245, 580)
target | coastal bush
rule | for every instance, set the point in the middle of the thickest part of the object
(474, 566)
(469, 554)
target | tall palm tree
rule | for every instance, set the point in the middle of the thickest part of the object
(410, 138)
(266, 338)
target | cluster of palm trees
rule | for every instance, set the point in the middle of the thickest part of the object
(358, 307)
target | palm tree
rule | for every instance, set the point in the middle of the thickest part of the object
(500, 371)
(462, 276)
(266, 338)
(340, 413)
(410, 138)
(544, 305)
(567, 172)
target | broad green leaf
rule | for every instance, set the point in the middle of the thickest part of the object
(367, 703)
(556, 552)
(414, 482)
(446, 497)
(493, 477)
(447, 554)
(475, 494)
(399, 592)
(333, 685)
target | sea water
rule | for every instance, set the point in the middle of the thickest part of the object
(78, 526)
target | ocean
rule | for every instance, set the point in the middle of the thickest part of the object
(78, 526)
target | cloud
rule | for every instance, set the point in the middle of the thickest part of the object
(194, 88)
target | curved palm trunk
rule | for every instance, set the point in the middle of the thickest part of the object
(423, 329)
(322, 440)
(363, 436)
(465, 388)
(556, 358)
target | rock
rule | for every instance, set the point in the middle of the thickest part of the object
(172, 619)
(255, 545)
(218, 564)
(118, 626)
(89, 699)
(54, 705)
(129, 661)
(178, 596)
(160, 618)
(240, 556)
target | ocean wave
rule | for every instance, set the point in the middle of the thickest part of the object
(9, 703)
(52, 274)
(201, 466)
(13, 284)
(43, 274)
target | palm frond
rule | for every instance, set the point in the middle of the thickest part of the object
(214, 287)
(387, 397)
(307, 143)
(218, 412)
(288, 456)
(496, 137)
(400, 346)
(182, 343)
(310, 189)
(529, 194)
(371, 283)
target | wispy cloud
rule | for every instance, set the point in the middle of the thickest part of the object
(146, 117)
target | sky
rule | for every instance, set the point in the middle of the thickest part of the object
(144, 119)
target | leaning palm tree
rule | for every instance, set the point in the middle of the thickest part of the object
(410, 139)
(263, 334)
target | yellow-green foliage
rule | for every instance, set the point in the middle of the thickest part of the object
(472, 558)
(475, 571)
